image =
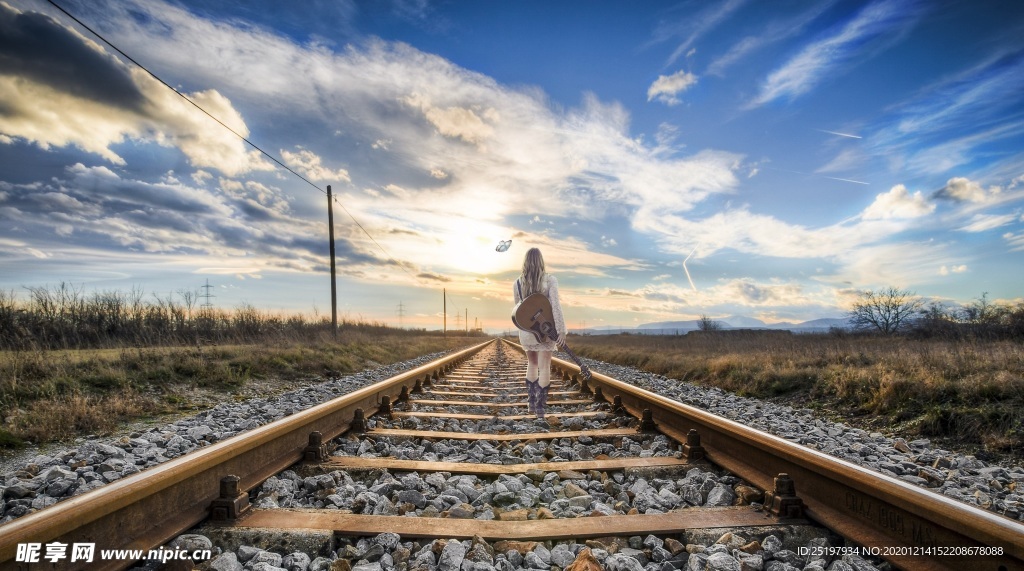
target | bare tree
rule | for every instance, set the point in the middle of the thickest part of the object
(888, 310)
(189, 297)
(705, 323)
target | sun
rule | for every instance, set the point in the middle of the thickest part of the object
(471, 249)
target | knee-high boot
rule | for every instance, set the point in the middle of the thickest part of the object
(532, 387)
(542, 399)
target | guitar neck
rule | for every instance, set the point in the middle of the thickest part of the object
(584, 370)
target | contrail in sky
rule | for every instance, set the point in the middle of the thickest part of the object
(821, 175)
(688, 271)
(846, 180)
(840, 134)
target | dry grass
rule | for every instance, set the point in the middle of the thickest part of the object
(967, 392)
(56, 395)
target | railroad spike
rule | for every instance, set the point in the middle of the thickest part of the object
(418, 387)
(232, 503)
(783, 501)
(358, 424)
(598, 394)
(385, 406)
(692, 450)
(404, 395)
(647, 422)
(316, 450)
(617, 405)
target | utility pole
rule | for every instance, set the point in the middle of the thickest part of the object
(334, 285)
(444, 331)
(401, 313)
(467, 321)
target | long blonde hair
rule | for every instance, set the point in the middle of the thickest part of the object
(533, 272)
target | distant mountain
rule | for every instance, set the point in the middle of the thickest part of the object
(671, 325)
(739, 321)
(823, 323)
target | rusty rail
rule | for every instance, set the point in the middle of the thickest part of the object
(150, 508)
(910, 527)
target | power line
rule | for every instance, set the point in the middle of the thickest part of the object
(222, 124)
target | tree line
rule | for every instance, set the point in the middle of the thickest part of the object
(65, 317)
(892, 311)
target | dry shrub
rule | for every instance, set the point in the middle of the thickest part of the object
(67, 417)
(52, 395)
(967, 390)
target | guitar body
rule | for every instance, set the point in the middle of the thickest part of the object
(534, 315)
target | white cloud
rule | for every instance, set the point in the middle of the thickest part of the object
(1015, 241)
(898, 264)
(201, 177)
(667, 87)
(469, 124)
(960, 189)
(983, 222)
(523, 156)
(946, 270)
(113, 104)
(310, 165)
(846, 160)
(808, 68)
(898, 203)
(693, 26)
(772, 33)
(725, 296)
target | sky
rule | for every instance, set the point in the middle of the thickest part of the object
(764, 159)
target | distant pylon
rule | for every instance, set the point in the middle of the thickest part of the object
(207, 295)
(401, 313)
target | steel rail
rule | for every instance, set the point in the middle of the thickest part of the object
(910, 527)
(148, 509)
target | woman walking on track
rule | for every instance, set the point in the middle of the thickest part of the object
(535, 280)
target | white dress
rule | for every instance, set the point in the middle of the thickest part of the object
(548, 287)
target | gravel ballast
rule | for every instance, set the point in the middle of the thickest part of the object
(47, 479)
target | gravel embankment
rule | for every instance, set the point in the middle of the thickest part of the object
(47, 479)
(962, 477)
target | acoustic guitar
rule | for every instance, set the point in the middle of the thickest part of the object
(534, 315)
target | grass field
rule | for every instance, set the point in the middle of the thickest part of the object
(57, 395)
(964, 394)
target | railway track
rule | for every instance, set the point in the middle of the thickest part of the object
(451, 442)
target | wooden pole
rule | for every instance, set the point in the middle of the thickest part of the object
(444, 332)
(334, 285)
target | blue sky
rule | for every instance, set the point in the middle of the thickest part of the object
(766, 159)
